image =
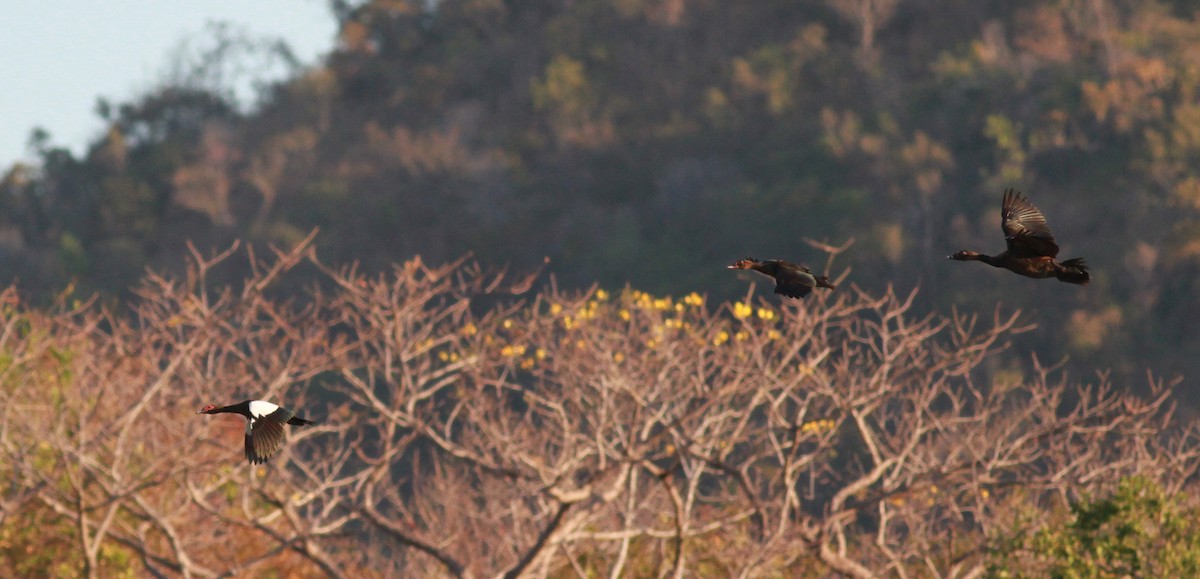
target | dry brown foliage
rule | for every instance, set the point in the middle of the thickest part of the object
(467, 432)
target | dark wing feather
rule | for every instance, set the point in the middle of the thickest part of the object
(794, 281)
(264, 439)
(1025, 228)
(281, 415)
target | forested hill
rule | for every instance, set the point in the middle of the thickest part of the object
(655, 141)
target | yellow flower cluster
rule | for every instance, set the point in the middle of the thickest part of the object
(587, 312)
(516, 351)
(742, 310)
(817, 426)
(512, 351)
(723, 336)
(645, 301)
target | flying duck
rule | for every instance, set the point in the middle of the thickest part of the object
(1031, 248)
(264, 425)
(791, 280)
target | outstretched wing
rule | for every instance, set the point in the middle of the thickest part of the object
(264, 436)
(1025, 228)
(793, 281)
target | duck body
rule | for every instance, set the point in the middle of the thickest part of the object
(264, 425)
(791, 280)
(1070, 271)
(1032, 250)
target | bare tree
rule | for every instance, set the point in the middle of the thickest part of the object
(466, 432)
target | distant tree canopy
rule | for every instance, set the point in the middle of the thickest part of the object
(653, 141)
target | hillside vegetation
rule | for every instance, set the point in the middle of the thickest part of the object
(653, 141)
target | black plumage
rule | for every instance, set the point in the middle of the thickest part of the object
(1031, 248)
(791, 280)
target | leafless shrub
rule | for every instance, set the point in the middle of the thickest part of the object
(465, 432)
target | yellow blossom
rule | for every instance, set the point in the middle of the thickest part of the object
(469, 329)
(662, 304)
(984, 493)
(618, 357)
(568, 322)
(693, 299)
(817, 426)
(555, 309)
(741, 336)
(773, 334)
(679, 307)
(540, 354)
(741, 310)
(601, 295)
(507, 324)
(721, 338)
(512, 351)
(527, 363)
(765, 314)
(624, 315)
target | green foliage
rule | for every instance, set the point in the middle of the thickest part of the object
(1138, 531)
(563, 88)
(35, 543)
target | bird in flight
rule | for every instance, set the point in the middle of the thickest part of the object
(1031, 251)
(791, 280)
(264, 425)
